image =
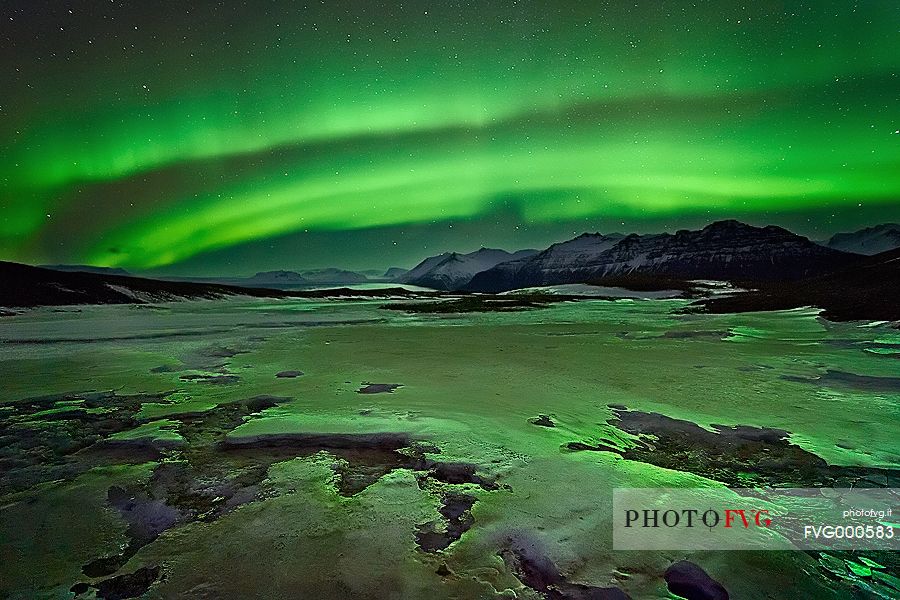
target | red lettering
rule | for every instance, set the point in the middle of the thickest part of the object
(729, 517)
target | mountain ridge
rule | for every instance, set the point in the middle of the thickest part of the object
(726, 250)
(869, 240)
(864, 291)
(26, 286)
(453, 270)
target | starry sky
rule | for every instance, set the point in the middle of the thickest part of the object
(229, 137)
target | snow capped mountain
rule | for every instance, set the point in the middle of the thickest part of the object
(451, 270)
(274, 278)
(722, 250)
(868, 241)
(284, 279)
(421, 269)
(332, 275)
(394, 273)
(585, 249)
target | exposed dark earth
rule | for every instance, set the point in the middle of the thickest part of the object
(689, 581)
(288, 374)
(739, 456)
(206, 476)
(41, 441)
(378, 388)
(482, 303)
(523, 556)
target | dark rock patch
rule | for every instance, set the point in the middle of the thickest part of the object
(323, 441)
(739, 456)
(682, 335)
(288, 374)
(691, 582)
(364, 458)
(223, 379)
(210, 426)
(221, 352)
(146, 517)
(209, 359)
(598, 447)
(361, 468)
(35, 447)
(260, 403)
(458, 473)
(146, 445)
(378, 388)
(536, 571)
(210, 475)
(203, 488)
(198, 483)
(177, 493)
(456, 517)
(842, 379)
(484, 303)
(107, 565)
(455, 509)
(131, 585)
(79, 588)
(542, 421)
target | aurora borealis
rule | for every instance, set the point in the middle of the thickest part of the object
(232, 136)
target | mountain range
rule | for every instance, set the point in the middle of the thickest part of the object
(281, 279)
(724, 250)
(868, 241)
(25, 286)
(452, 271)
(865, 290)
(87, 269)
(781, 268)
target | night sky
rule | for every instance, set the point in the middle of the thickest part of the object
(231, 137)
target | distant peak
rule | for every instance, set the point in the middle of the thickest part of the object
(600, 236)
(276, 273)
(727, 225)
(731, 227)
(883, 227)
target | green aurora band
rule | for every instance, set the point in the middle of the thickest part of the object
(143, 137)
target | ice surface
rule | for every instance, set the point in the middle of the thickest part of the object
(471, 385)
